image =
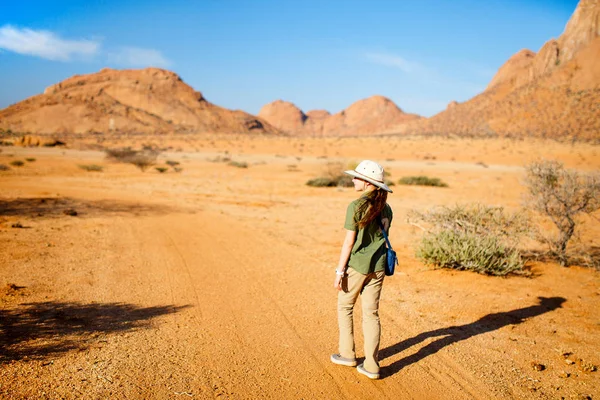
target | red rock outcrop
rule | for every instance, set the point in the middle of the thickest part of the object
(554, 93)
(150, 100)
(283, 115)
(365, 117)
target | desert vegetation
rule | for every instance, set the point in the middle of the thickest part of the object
(422, 180)
(561, 195)
(142, 159)
(91, 167)
(471, 237)
(333, 176)
(17, 163)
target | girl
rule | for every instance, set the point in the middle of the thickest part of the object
(360, 270)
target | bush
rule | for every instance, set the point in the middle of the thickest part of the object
(475, 238)
(120, 155)
(422, 181)
(239, 164)
(561, 195)
(30, 159)
(143, 159)
(333, 177)
(321, 182)
(17, 163)
(171, 163)
(4, 167)
(162, 170)
(91, 167)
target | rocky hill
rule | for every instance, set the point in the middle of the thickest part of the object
(142, 101)
(554, 93)
(368, 116)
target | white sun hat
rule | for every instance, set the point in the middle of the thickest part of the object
(371, 172)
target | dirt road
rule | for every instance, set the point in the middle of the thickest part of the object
(207, 286)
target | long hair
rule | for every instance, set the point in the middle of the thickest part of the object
(372, 205)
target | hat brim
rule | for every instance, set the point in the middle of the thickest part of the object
(371, 181)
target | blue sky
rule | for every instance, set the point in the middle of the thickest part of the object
(317, 54)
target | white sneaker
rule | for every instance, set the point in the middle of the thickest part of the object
(371, 375)
(338, 359)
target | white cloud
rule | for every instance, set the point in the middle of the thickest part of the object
(138, 57)
(44, 44)
(391, 60)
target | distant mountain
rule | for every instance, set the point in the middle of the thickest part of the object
(146, 101)
(365, 117)
(554, 93)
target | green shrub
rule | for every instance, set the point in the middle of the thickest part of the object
(171, 163)
(162, 170)
(422, 181)
(333, 177)
(239, 164)
(475, 238)
(91, 167)
(321, 182)
(143, 159)
(17, 163)
(120, 155)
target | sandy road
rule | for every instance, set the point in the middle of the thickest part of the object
(242, 319)
(261, 321)
(204, 285)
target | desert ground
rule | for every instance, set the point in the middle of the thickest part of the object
(216, 281)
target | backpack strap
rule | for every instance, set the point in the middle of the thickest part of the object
(387, 241)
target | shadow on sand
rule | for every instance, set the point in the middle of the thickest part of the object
(58, 206)
(39, 330)
(454, 334)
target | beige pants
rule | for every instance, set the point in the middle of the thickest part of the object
(369, 288)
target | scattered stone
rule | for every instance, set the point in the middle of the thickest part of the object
(564, 374)
(17, 225)
(568, 361)
(537, 366)
(586, 366)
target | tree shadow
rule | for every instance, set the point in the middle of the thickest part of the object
(40, 330)
(454, 334)
(583, 256)
(59, 206)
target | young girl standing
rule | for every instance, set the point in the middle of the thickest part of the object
(360, 270)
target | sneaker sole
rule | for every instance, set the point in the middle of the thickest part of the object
(366, 373)
(341, 362)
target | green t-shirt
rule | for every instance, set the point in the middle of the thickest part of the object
(369, 252)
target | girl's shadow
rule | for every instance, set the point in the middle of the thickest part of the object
(455, 334)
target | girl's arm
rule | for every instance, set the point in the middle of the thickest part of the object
(344, 257)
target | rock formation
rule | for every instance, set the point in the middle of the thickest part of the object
(554, 93)
(150, 100)
(365, 117)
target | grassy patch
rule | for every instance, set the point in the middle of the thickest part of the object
(91, 167)
(422, 180)
(238, 164)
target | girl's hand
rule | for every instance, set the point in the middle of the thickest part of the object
(337, 284)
